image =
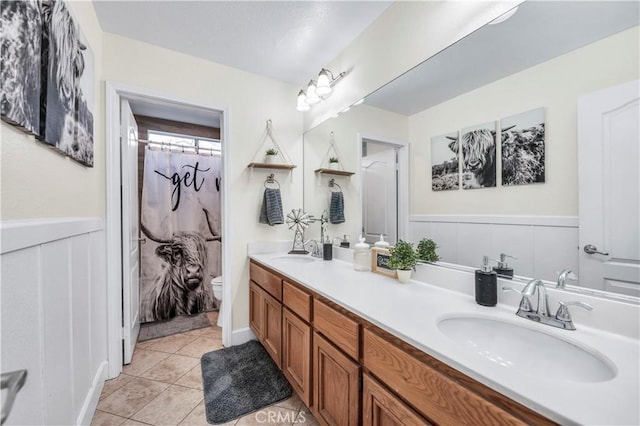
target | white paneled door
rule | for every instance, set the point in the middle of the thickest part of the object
(130, 231)
(609, 193)
(379, 194)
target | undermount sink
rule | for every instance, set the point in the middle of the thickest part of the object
(526, 350)
(294, 259)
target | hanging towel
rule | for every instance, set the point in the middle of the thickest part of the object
(336, 208)
(271, 211)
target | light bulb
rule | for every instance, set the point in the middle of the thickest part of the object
(302, 105)
(312, 96)
(324, 83)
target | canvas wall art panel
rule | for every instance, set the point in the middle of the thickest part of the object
(477, 146)
(445, 173)
(20, 79)
(523, 148)
(68, 64)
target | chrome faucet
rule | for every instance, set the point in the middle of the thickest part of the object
(562, 318)
(565, 275)
(316, 250)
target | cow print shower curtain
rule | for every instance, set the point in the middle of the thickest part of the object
(180, 218)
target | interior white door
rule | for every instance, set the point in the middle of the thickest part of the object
(609, 193)
(379, 193)
(130, 231)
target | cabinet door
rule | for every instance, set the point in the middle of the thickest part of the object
(296, 354)
(255, 309)
(382, 408)
(272, 326)
(336, 379)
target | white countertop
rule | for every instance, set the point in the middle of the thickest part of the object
(411, 312)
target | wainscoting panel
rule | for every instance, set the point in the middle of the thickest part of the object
(543, 245)
(54, 317)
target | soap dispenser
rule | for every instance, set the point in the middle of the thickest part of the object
(503, 267)
(361, 256)
(486, 285)
(381, 243)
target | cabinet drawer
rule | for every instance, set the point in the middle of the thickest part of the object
(338, 328)
(433, 394)
(297, 300)
(267, 280)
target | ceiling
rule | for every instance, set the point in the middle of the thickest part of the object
(537, 32)
(289, 41)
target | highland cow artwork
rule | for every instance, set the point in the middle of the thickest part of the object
(478, 146)
(20, 81)
(67, 98)
(522, 142)
(445, 173)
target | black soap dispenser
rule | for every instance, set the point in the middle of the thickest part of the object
(503, 268)
(486, 285)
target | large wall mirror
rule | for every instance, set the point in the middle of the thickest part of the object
(551, 68)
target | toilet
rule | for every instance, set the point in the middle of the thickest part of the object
(216, 285)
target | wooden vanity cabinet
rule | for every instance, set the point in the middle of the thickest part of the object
(336, 385)
(382, 408)
(296, 340)
(265, 310)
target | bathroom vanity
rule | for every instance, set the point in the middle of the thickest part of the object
(360, 348)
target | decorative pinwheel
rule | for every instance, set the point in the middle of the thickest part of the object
(298, 220)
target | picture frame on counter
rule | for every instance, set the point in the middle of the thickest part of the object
(380, 262)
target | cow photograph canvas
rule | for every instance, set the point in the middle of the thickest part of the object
(181, 219)
(68, 98)
(21, 37)
(523, 146)
(477, 146)
(445, 173)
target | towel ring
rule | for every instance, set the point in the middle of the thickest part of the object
(271, 179)
(332, 183)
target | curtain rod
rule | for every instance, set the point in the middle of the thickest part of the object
(182, 147)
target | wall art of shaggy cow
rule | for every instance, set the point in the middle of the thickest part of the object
(47, 76)
(444, 163)
(478, 156)
(523, 146)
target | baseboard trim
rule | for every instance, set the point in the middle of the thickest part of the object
(93, 396)
(241, 336)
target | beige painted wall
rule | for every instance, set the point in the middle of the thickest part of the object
(250, 100)
(361, 120)
(555, 85)
(37, 182)
(406, 34)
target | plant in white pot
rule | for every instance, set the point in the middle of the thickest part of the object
(403, 259)
(333, 163)
(271, 156)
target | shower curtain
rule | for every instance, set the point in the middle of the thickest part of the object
(180, 218)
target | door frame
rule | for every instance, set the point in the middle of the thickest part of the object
(403, 179)
(114, 92)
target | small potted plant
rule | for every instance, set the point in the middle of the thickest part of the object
(271, 156)
(403, 259)
(333, 163)
(427, 250)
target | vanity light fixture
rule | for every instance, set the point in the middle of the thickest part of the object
(317, 90)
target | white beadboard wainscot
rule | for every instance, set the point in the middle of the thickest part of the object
(543, 245)
(54, 317)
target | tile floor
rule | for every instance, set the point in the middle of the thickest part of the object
(163, 386)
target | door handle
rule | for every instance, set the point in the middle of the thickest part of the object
(142, 240)
(591, 249)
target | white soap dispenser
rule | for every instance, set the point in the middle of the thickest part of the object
(381, 243)
(361, 256)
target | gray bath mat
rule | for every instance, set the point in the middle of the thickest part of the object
(240, 380)
(180, 324)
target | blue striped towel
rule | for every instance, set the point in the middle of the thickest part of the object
(336, 207)
(271, 210)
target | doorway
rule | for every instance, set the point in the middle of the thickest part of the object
(123, 322)
(384, 189)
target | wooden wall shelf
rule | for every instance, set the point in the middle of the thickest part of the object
(272, 166)
(334, 172)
